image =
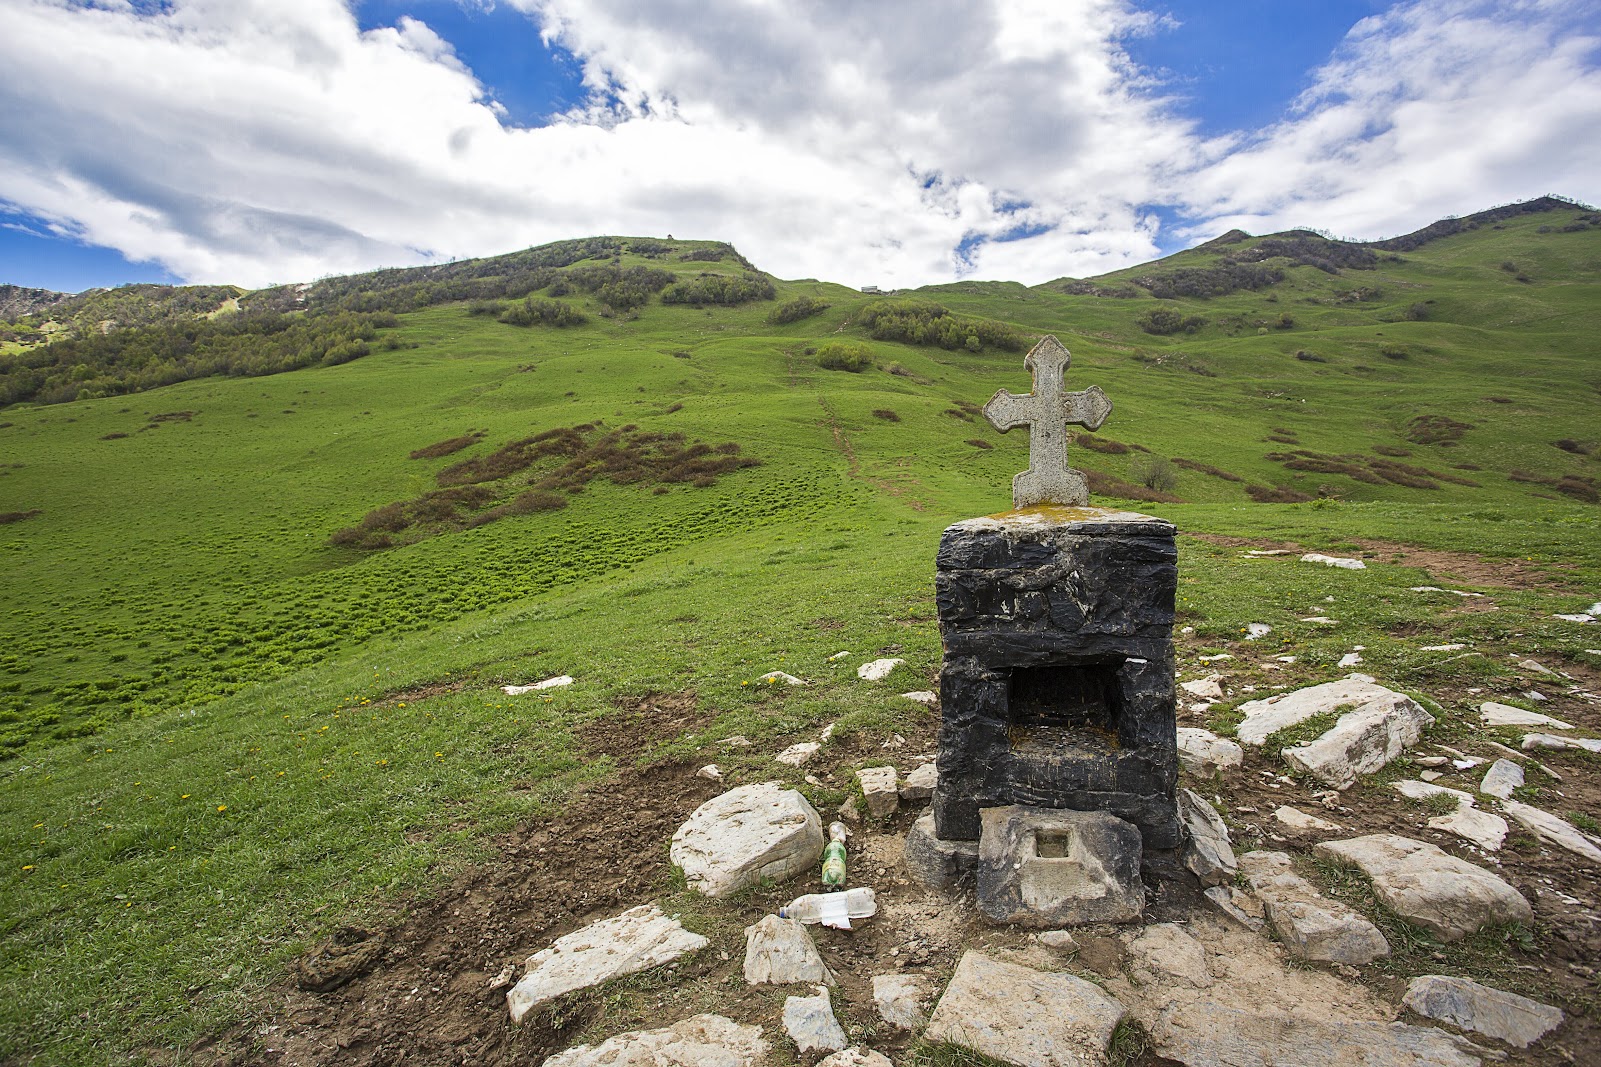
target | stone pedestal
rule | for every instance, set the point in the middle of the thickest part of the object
(1057, 687)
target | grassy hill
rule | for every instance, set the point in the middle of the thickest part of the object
(227, 729)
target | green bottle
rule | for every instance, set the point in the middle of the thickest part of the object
(834, 857)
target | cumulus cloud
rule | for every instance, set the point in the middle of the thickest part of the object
(901, 142)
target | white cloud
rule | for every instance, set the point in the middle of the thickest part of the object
(261, 140)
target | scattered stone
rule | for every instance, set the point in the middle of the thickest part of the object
(1237, 905)
(1495, 714)
(1323, 620)
(1204, 688)
(798, 755)
(838, 656)
(1424, 791)
(1536, 666)
(1350, 659)
(1470, 1006)
(779, 951)
(549, 683)
(1271, 714)
(1432, 761)
(1552, 830)
(1205, 1034)
(1057, 940)
(828, 731)
(1580, 617)
(899, 999)
(779, 676)
(637, 939)
(737, 741)
(1051, 867)
(711, 771)
(920, 783)
(1023, 1016)
(1257, 630)
(1344, 562)
(1533, 741)
(936, 862)
(1430, 887)
(878, 669)
(923, 697)
(1362, 741)
(1166, 948)
(1204, 753)
(810, 1023)
(1443, 648)
(848, 810)
(855, 1056)
(1311, 925)
(1535, 695)
(1220, 657)
(1502, 777)
(1268, 552)
(746, 834)
(1296, 819)
(1431, 776)
(1208, 854)
(880, 790)
(699, 1041)
(1482, 828)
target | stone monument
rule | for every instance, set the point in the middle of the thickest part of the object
(1058, 750)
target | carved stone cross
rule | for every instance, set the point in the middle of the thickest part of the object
(1047, 412)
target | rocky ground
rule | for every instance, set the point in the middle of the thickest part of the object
(428, 984)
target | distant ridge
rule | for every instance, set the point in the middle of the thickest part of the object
(1448, 226)
(17, 301)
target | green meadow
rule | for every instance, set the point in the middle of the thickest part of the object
(224, 733)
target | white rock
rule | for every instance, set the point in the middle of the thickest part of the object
(1271, 714)
(1536, 666)
(1231, 902)
(1221, 656)
(1431, 776)
(549, 683)
(1023, 1016)
(737, 741)
(922, 696)
(880, 789)
(779, 951)
(920, 783)
(1495, 714)
(877, 669)
(1321, 619)
(1204, 688)
(772, 677)
(1535, 695)
(1208, 854)
(746, 834)
(1443, 648)
(798, 754)
(1549, 828)
(1470, 1006)
(1432, 761)
(699, 1041)
(1311, 925)
(1350, 659)
(856, 1056)
(828, 731)
(1534, 741)
(1432, 888)
(1257, 630)
(637, 939)
(1362, 741)
(839, 656)
(810, 1023)
(1166, 948)
(1057, 940)
(1259, 552)
(899, 999)
(1296, 819)
(1482, 828)
(1581, 617)
(711, 771)
(1424, 791)
(1344, 562)
(1502, 777)
(1201, 1033)
(1202, 752)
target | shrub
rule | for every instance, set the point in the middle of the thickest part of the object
(720, 289)
(794, 310)
(1104, 445)
(979, 443)
(921, 322)
(447, 447)
(1166, 321)
(1390, 350)
(1155, 472)
(535, 311)
(844, 355)
(1436, 430)
(1310, 357)
(1264, 494)
(1418, 312)
(886, 414)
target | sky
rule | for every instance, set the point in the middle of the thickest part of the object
(895, 143)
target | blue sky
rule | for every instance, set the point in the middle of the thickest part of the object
(898, 143)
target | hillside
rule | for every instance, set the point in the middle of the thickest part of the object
(255, 620)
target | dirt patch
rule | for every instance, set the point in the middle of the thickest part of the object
(640, 722)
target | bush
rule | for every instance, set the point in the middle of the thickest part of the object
(1390, 350)
(720, 289)
(1418, 312)
(534, 311)
(886, 414)
(1165, 321)
(794, 310)
(920, 322)
(1157, 473)
(844, 355)
(1310, 357)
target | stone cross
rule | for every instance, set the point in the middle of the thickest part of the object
(1047, 412)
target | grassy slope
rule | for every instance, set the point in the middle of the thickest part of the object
(282, 768)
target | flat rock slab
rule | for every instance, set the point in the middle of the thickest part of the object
(881, 790)
(1026, 1017)
(637, 939)
(1482, 828)
(1534, 741)
(856, 1057)
(936, 862)
(1502, 777)
(810, 1023)
(1428, 886)
(1209, 856)
(1204, 753)
(1470, 1006)
(798, 754)
(1362, 740)
(779, 951)
(1168, 949)
(899, 1000)
(1343, 562)
(1271, 714)
(1050, 867)
(1495, 714)
(920, 783)
(1213, 1035)
(749, 833)
(877, 669)
(1298, 820)
(1311, 925)
(699, 1041)
(1552, 830)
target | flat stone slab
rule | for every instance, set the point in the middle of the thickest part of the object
(1208, 856)
(1428, 886)
(878, 669)
(699, 1041)
(636, 940)
(1300, 821)
(855, 1057)
(1167, 948)
(779, 951)
(810, 1023)
(1311, 925)
(1271, 714)
(1552, 741)
(746, 834)
(1362, 740)
(1494, 714)
(1204, 753)
(899, 1000)
(1552, 830)
(799, 754)
(1343, 562)
(1050, 867)
(920, 783)
(1483, 828)
(1502, 777)
(881, 790)
(1201, 1034)
(1468, 1005)
(1026, 1017)
(936, 862)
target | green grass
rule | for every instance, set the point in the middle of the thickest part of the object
(224, 738)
